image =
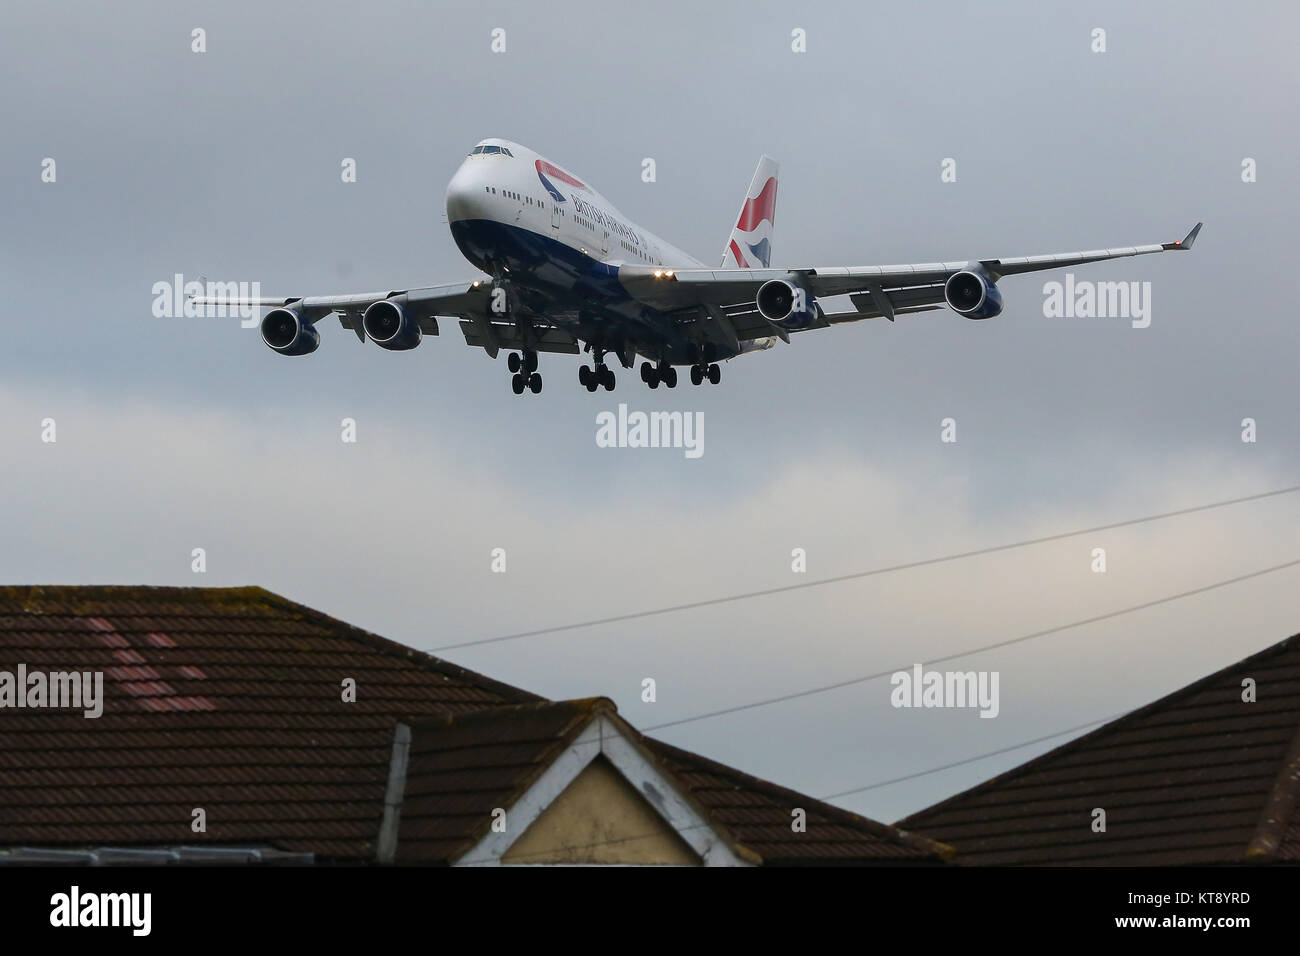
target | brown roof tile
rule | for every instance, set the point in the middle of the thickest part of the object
(758, 815)
(461, 767)
(1198, 776)
(229, 699)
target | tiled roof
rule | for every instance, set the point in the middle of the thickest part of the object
(463, 766)
(230, 700)
(1198, 777)
(758, 815)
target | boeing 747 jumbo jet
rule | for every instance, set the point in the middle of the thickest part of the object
(565, 267)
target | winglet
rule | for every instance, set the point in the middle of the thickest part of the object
(1186, 243)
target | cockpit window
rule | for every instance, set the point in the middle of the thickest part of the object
(491, 149)
(507, 152)
(476, 150)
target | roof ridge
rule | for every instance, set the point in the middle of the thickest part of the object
(19, 591)
(580, 705)
(1029, 766)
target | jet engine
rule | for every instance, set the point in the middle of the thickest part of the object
(286, 332)
(390, 326)
(785, 303)
(972, 295)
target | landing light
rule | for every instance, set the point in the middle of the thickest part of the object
(669, 273)
(658, 273)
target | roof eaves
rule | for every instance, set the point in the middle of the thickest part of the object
(646, 746)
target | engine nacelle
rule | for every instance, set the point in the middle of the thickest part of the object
(972, 295)
(390, 326)
(785, 303)
(286, 332)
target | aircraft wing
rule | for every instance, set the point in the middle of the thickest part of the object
(470, 302)
(875, 291)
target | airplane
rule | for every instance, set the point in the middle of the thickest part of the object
(569, 272)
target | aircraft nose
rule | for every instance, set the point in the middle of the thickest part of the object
(464, 194)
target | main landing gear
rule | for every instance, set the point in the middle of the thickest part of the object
(652, 375)
(711, 371)
(524, 367)
(596, 377)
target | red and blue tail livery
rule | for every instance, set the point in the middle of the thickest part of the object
(750, 244)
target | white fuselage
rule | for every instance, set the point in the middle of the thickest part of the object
(516, 187)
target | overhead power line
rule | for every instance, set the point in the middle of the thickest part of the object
(977, 757)
(858, 575)
(977, 650)
(518, 857)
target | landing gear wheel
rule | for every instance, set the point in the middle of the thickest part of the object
(513, 361)
(517, 383)
(535, 383)
(715, 373)
(584, 376)
(669, 375)
(530, 361)
(697, 374)
(606, 377)
(649, 375)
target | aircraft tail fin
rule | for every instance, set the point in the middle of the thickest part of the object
(750, 244)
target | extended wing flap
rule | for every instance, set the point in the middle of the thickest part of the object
(507, 336)
(898, 299)
(352, 322)
(835, 318)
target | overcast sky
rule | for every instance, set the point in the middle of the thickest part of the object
(182, 433)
